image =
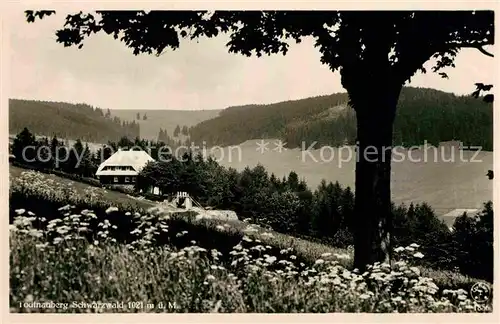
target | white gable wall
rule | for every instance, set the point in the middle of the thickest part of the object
(135, 159)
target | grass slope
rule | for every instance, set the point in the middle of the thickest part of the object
(303, 249)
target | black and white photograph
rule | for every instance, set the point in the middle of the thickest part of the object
(250, 161)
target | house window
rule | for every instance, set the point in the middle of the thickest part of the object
(132, 179)
(115, 179)
(127, 179)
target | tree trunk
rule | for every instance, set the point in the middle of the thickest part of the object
(375, 111)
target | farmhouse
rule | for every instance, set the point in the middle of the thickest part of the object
(451, 216)
(122, 167)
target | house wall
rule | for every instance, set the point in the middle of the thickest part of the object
(118, 180)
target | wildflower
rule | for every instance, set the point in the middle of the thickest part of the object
(343, 256)
(41, 246)
(210, 277)
(418, 255)
(400, 263)
(270, 259)
(326, 255)
(319, 261)
(415, 270)
(409, 249)
(415, 245)
(20, 211)
(346, 274)
(29, 298)
(136, 231)
(31, 213)
(399, 249)
(249, 230)
(111, 209)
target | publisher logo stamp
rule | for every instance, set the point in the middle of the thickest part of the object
(480, 292)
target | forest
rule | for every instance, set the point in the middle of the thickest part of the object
(423, 115)
(68, 121)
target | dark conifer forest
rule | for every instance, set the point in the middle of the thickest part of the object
(423, 115)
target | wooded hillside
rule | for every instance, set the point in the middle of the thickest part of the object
(68, 121)
(423, 114)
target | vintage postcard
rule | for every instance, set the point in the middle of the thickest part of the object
(250, 160)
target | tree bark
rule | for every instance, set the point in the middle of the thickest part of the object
(375, 112)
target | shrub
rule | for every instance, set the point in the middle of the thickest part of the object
(473, 243)
(280, 211)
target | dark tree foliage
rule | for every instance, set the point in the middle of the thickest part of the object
(376, 52)
(54, 154)
(480, 87)
(177, 131)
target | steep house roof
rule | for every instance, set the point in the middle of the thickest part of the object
(131, 163)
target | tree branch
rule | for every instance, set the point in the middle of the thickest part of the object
(482, 50)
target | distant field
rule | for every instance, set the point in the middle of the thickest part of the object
(443, 185)
(165, 119)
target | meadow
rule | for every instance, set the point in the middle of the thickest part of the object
(164, 119)
(103, 250)
(443, 185)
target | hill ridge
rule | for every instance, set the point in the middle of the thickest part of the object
(423, 114)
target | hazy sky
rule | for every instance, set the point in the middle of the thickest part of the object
(200, 75)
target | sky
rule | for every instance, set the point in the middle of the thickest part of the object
(199, 75)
